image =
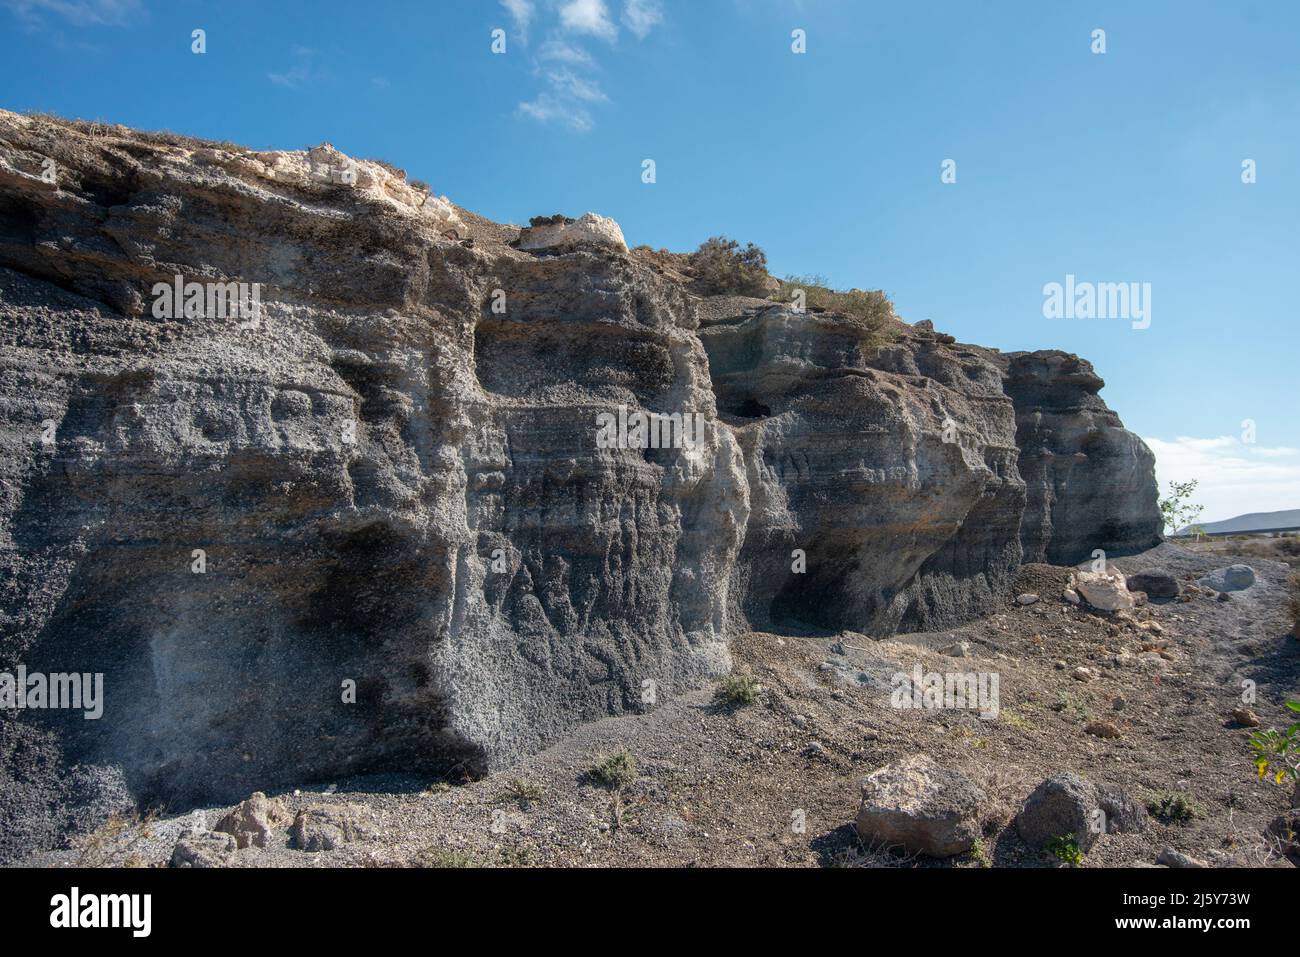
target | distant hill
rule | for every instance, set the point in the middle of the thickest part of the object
(1255, 521)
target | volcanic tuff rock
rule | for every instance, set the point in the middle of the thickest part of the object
(390, 475)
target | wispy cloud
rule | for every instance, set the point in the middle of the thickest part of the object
(1234, 477)
(641, 16)
(563, 63)
(546, 107)
(521, 15)
(564, 52)
(307, 69)
(79, 13)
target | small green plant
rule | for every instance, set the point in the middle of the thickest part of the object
(979, 854)
(1066, 849)
(738, 689)
(614, 771)
(522, 791)
(1177, 509)
(1277, 753)
(1173, 807)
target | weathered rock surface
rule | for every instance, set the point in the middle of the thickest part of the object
(920, 807)
(252, 823)
(1090, 483)
(370, 526)
(326, 827)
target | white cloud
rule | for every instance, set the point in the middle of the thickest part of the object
(641, 16)
(521, 12)
(588, 16)
(81, 13)
(564, 52)
(567, 84)
(549, 108)
(1235, 477)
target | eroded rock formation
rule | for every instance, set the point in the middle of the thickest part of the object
(388, 473)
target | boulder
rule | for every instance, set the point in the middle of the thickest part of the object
(921, 807)
(253, 822)
(1027, 598)
(203, 849)
(1067, 803)
(1105, 591)
(1156, 582)
(326, 827)
(1232, 578)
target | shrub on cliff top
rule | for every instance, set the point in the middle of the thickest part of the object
(722, 268)
(870, 309)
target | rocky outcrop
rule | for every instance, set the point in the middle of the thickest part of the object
(394, 503)
(1090, 483)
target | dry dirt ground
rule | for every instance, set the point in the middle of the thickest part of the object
(777, 782)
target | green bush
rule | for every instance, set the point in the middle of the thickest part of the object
(722, 268)
(1173, 807)
(614, 771)
(738, 689)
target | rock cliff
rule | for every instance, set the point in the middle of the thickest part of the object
(360, 518)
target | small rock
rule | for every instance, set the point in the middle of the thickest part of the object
(1102, 729)
(1233, 578)
(1118, 703)
(1071, 596)
(1223, 596)
(922, 807)
(1104, 591)
(253, 821)
(203, 849)
(1060, 665)
(1082, 674)
(815, 751)
(958, 649)
(1171, 858)
(326, 827)
(1028, 598)
(1245, 717)
(1156, 582)
(1060, 806)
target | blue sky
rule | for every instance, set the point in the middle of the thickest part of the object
(1122, 166)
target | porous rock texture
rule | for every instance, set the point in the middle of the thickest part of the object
(390, 480)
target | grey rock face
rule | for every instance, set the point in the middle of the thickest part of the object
(373, 528)
(326, 827)
(920, 807)
(1091, 483)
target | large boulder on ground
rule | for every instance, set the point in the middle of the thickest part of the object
(1233, 578)
(1105, 591)
(1067, 804)
(922, 807)
(252, 822)
(326, 827)
(1156, 582)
